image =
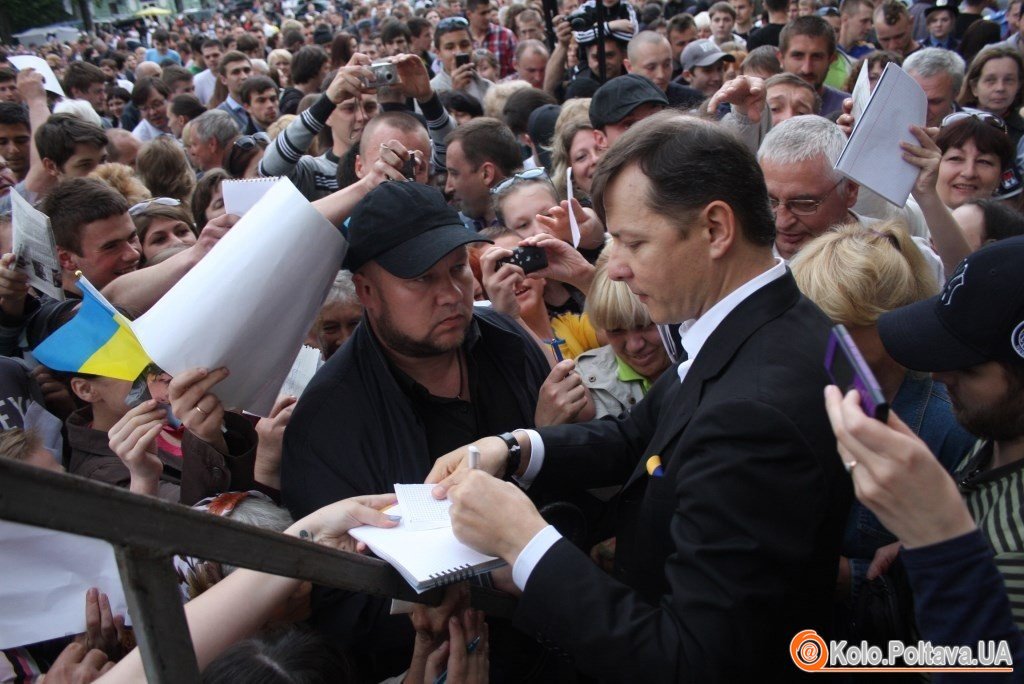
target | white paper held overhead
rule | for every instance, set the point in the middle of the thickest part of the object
(50, 82)
(872, 156)
(249, 303)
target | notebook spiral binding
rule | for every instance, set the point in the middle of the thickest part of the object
(453, 576)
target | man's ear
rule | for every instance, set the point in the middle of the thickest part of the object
(51, 168)
(223, 79)
(490, 174)
(84, 390)
(722, 227)
(67, 260)
(852, 192)
(629, 67)
(688, 75)
(600, 137)
(359, 166)
(366, 288)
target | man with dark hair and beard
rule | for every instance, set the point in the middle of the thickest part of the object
(425, 372)
(971, 338)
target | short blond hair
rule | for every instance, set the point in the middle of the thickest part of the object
(856, 273)
(497, 95)
(610, 304)
(122, 178)
(19, 444)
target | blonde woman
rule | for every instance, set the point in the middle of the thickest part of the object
(855, 274)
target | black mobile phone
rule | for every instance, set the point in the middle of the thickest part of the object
(529, 259)
(461, 59)
(848, 371)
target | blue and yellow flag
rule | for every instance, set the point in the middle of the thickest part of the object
(97, 341)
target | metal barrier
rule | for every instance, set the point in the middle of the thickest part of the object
(146, 533)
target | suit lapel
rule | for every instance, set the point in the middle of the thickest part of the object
(750, 315)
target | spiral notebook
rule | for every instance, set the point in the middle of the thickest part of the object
(426, 558)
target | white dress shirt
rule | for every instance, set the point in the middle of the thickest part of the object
(693, 334)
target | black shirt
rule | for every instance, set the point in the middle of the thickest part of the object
(766, 35)
(450, 423)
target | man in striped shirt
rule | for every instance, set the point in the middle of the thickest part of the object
(971, 338)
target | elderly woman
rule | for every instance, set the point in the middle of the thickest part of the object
(855, 274)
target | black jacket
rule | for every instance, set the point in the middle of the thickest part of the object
(734, 550)
(354, 431)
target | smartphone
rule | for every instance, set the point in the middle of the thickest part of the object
(848, 371)
(461, 59)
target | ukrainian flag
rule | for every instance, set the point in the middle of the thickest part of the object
(97, 341)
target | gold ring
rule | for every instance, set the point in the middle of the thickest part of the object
(200, 410)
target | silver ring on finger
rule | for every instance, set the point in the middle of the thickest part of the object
(201, 411)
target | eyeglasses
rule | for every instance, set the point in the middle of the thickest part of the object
(529, 174)
(991, 119)
(452, 23)
(248, 142)
(803, 207)
(154, 107)
(162, 201)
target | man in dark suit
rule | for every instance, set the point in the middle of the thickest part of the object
(730, 519)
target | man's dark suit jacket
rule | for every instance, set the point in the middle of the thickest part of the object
(734, 550)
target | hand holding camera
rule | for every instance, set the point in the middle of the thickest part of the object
(350, 80)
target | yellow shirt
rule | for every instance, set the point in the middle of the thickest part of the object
(578, 333)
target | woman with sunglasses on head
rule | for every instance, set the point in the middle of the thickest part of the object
(245, 155)
(993, 85)
(161, 224)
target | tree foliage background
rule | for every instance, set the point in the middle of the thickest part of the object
(18, 15)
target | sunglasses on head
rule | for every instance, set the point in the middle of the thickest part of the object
(161, 201)
(529, 174)
(452, 23)
(991, 119)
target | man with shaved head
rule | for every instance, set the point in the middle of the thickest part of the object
(649, 54)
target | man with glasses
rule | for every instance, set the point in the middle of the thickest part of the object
(150, 96)
(807, 195)
(454, 44)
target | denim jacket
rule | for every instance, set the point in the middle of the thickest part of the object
(924, 406)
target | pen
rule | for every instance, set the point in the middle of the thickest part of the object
(470, 647)
(474, 458)
(556, 348)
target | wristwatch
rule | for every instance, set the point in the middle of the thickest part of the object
(515, 454)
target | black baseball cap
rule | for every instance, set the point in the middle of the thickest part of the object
(405, 227)
(978, 317)
(948, 5)
(614, 100)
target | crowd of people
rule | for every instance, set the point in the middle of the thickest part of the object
(605, 246)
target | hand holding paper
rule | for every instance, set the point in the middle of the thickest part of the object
(39, 65)
(873, 156)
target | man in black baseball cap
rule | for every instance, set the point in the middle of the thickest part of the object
(971, 337)
(621, 102)
(424, 372)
